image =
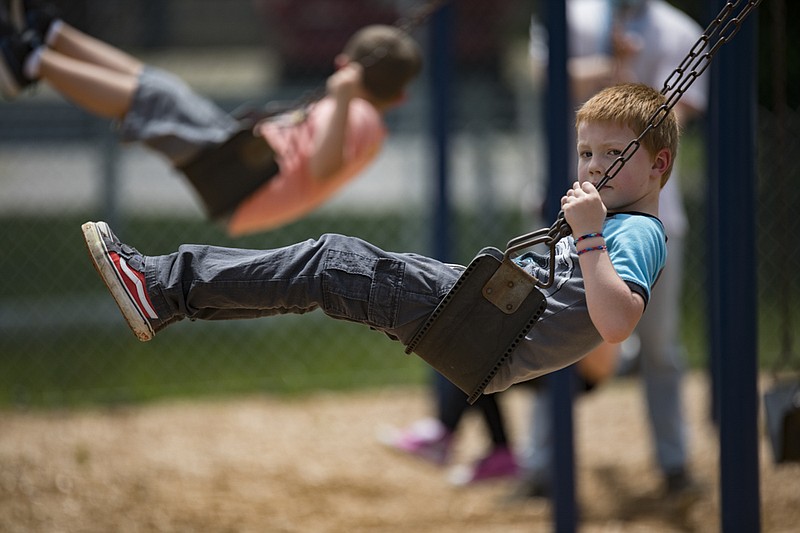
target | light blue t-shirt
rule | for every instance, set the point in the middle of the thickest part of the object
(637, 249)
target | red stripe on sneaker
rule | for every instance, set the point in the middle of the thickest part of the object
(134, 285)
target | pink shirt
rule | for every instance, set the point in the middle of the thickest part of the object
(293, 193)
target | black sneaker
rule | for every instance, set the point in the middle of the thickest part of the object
(14, 50)
(121, 267)
(35, 15)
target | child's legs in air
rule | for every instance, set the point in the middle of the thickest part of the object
(152, 106)
(73, 43)
(92, 74)
(172, 119)
(345, 277)
(97, 90)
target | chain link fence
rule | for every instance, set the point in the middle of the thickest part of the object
(62, 340)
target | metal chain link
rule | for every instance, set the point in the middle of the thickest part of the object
(419, 15)
(723, 28)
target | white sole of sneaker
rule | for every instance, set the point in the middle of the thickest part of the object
(99, 255)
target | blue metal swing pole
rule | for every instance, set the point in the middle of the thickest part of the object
(440, 60)
(557, 117)
(733, 276)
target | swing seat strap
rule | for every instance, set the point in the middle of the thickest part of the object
(479, 322)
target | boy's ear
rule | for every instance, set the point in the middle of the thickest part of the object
(340, 60)
(662, 161)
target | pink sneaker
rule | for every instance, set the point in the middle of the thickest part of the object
(427, 439)
(500, 463)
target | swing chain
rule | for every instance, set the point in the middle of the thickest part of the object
(723, 27)
(419, 15)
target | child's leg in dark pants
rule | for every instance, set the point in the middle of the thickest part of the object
(452, 404)
(499, 461)
(345, 277)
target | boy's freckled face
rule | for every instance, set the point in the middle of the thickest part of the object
(599, 145)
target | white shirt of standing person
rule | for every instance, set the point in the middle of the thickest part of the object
(657, 37)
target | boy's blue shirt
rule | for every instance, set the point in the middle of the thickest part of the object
(637, 248)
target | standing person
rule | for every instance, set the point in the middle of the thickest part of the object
(612, 41)
(432, 439)
(601, 279)
(537, 457)
(301, 159)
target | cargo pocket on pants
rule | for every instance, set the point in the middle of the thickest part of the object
(362, 289)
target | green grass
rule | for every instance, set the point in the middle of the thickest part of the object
(278, 356)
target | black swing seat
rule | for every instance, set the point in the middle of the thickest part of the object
(224, 175)
(480, 322)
